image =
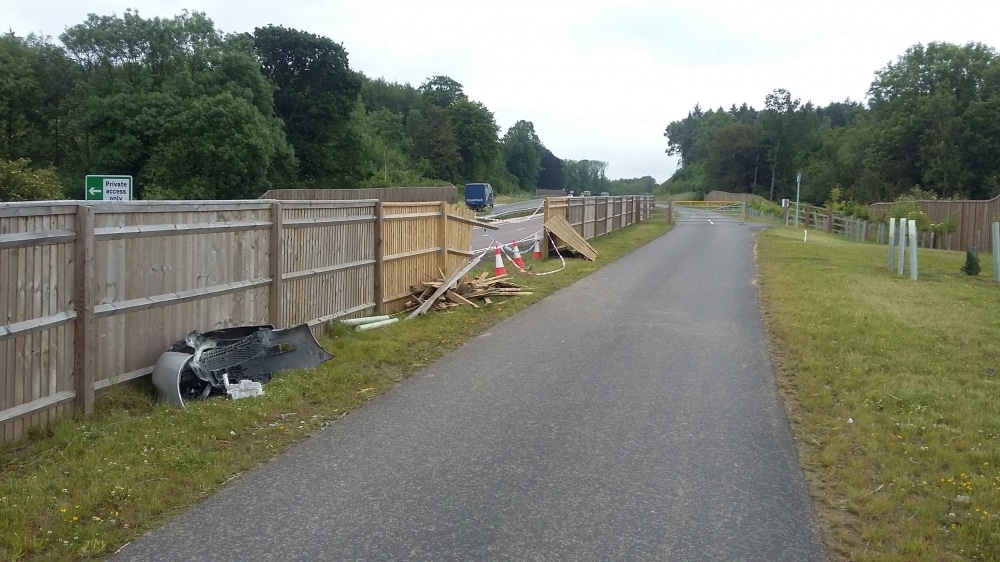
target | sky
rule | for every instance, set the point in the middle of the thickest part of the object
(599, 79)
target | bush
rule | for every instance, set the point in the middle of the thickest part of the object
(971, 266)
(19, 182)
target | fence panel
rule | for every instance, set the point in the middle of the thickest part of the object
(328, 261)
(37, 309)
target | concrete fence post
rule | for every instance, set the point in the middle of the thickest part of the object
(892, 241)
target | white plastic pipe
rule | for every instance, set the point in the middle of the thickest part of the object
(374, 325)
(359, 321)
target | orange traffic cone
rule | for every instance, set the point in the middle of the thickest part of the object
(518, 260)
(500, 270)
(537, 254)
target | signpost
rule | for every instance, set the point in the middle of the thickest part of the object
(108, 188)
(798, 185)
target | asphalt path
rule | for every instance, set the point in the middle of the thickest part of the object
(631, 416)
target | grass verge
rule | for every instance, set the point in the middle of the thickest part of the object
(82, 488)
(891, 387)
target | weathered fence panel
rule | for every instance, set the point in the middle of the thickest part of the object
(37, 312)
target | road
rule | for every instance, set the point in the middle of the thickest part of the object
(631, 416)
(510, 229)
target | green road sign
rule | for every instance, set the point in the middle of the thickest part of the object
(108, 188)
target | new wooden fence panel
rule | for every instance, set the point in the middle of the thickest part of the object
(412, 251)
(328, 261)
(36, 311)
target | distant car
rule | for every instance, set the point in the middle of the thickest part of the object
(605, 194)
(585, 194)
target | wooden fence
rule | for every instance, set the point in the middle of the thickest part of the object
(974, 220)
(596, 216)
(389, 194)
(92, 294)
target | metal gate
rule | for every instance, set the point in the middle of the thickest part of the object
(708, 212)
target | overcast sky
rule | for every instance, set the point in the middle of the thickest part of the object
(600, 79)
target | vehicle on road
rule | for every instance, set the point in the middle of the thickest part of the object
(478, 196)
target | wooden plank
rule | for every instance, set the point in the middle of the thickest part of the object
(36, 238)
(19, 329)
(414, 253)
(459, 299)
(159, 230)
(473, 222)
(411, 216)
(29, 408)
(305, 274)
(561, 228)
(156, 301)
(331, 221)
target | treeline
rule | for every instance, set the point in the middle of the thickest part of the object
(192, 113)
(931, 126)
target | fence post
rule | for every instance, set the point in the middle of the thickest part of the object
(378, 251)
(85, 332)
(443, 237)
(913, 250)
(996, 251)
(544, 244)
(276, 268)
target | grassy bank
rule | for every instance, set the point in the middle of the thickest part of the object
(892, 390)
(82, 488)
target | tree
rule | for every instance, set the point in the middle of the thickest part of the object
(441, 91)
(930, 125)
(476, 133)
(19, 182)
(522, 152)
(314, 97)
(735, 157)
(551, 175)
(20, 97)
(435, 143)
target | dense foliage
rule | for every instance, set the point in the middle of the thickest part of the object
(192, 113)
(932, 121)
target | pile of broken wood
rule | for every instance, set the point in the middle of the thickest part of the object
(436, 295)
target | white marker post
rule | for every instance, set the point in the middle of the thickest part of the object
(913, 250)
(996, 251)
(892, 241)
(901, 247)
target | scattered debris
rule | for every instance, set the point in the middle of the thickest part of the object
(203, 364)
(467, 292)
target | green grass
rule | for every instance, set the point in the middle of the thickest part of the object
(82, 488)
(892, 389)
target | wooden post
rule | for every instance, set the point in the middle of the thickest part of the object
(443, 237)
(995, 231)
(379, 252)
(276, 268)
(85, 332)
(544, 243)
